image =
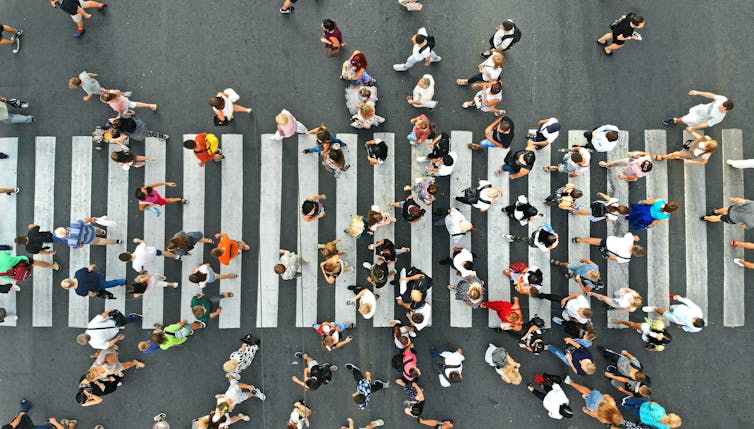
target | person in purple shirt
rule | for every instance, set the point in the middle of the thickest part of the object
(87, 282)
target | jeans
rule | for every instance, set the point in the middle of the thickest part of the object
(133, 318)
(342, 325)
(15, 118)
(559, 354)
(411, 60)
(634, 404)
(107, 284)
(486, 144)
(319, 148)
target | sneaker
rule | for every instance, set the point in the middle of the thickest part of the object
(508, 237)
(739, 262)
(611, 369)
(371, 246)
(159, 417)
(5, 247)
(378, 422)
(668, 121)
(3, 156)
(385, 384)
(306, 151)
(299, 355)
(286, 11)
(351, 367)
(259, 394)
(567, 380)
(485, 54)
(136, 315)
(648, 309)
(79, 33)
(102, 7)
(25, 406)
(367, 265)
(437, 59)
(17, 45)
(175, 285)
(557, 320)
(202, 324)
(118, 241)
(18, 34)
(400, 67)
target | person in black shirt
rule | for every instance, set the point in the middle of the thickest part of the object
(624, 28)
(518, 163)
(410, 209)
(440, 148)
(411, 288)
(315, 375)
(376, 151)
(386, 249)
(36, 240)
(497, 134)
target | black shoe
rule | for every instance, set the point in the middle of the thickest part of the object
(306, 151)
(251, 340)
(299, 355)
(5, 247)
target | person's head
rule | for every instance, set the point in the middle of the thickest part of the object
(120, 156)
(468, 265)
(117, 123)
(576, 193)
(511, 375)
(493, 193)
(143, 346)
(111, 358)
(455, 377)
(588, 366)
(230, 366)
(107, 97)
(496, 88)
(328, 24)
(565, 411)
(404, 340)
(466, 225)
(505, 124)
(586, 313)
(538, 346)
(709, 145)
(498, 59)
(611, 136)
(419, 39)
(217, 102)
(67, 283)
(365, 92)
(158, 338)
(359, 61)
(125, 256)
(198, 311)
(217, 252)
(550, 240)
(373, 217)
(365, 308)
(527, 158)
(335, 155)
(61, 232)
(311, 383)
(637, 250)
(189, 144)
(590, 334)
(670, 207)
(417, 296)
(421, 124)
(22, 239)
(74, 82)
(432, 189)
(424, 82)
(673, 420)
(366, 111)
(93, 373)
(83, 339)
(507, 25)
(608, 413)
(359, 398)
(417, 317)
(535, 277)
(637, 21)
(197, 277)
(577, 158)
(308, 207)
(476, 293)
(593, 275)
(646, 166)
(142, 192)
(328, 341)
(447, 160)
(639, 375)
(514, 317)
(176, 243)
(621, 210)
(416, 211)
(645, 391)
(323, 135)
(698, 322)
(414, 372)
(281, 119)
(727, 106)
(279, 269)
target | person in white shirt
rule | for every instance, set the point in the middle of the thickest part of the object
(490, 94)
(462, 260)
(489, 70)
(602, 139)
(703, 116)
(506, 35)
(482, 197)
(420, 317)
(443, 166)
(365, 300)
(624, 298)
(577, 308)
(144, 255)
(423, 93)
(687, 315)
(456, 224)
(423, 50)
(575, 161)
(619, 249)
(552, 396)
(102, 331)
(548, 130)
(449, 366)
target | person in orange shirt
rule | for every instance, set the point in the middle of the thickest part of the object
(206, 148)
(227, 249)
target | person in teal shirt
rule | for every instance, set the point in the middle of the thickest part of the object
(652, 413)
(648, 213)
(205, 308)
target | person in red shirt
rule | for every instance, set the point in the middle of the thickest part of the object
(227, 249)
(206, 148)
(509, 313)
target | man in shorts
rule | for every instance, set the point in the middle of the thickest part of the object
(77, 10)
(206, 147)
(14, 38)
(287, 7)
(703, 116)
(315, 375)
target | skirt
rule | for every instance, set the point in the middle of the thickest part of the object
(640, 217)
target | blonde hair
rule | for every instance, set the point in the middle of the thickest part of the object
(281, 119)
(61, 232)
(66, 283)
(365, 308)
(673, 420)
(608, 413)
(74, 82)
(143, 346)
(512, 374)
(367, 111)
(498, 59)
(230, 366)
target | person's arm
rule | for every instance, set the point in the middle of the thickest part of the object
(523, 172)
(343, 343)
(568, 298)
(490, 128)
(115, 340)
(615, 377)
(569, 358)
(299, 382)
(91, 399)
(357, 297)
(704, 94)
(738, 200)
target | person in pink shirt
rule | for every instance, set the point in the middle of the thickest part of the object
(121, 104)
(287, 126)
(638, 165)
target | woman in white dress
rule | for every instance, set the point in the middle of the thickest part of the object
(357, 96)
(366, 117)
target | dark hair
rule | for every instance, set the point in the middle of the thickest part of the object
(122, 156)
(125, 256)
(455, 377)
(576, 193)
(417, 317)
(359, 61)
(217, 252)
(549, 239)
(335, 155)
(698, 322)
(535, 277)
(505, 124)
(140, 195)
(624, 210)
(21, 240)
(529, 157)
(646, 166)
(324, 136)
(374, 217)
(640, 376)
(359, 398)
(311, 382)
(307, 206)
(447, 160)
(728, 105)
(189, 144)
(158, 338)
(217, 102)
(117, 123)
(329, 24)
(637, 19)
(638, 251)
(587, 313)
(420, 38)
(611, 136)
(508, 25)
(414, 372)
(136, 287)
(416, 211)
(197, 277)
(496, 87)
(469, 265)
(432, 189)
(177, 242)
(538, 347)
(576, 157)
(670, 207)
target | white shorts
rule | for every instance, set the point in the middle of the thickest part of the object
(78, 17)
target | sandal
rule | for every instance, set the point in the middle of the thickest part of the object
(554, 262)
(55, 267)
(601, 44)
(228, 295)
(605, 164)
(462, 82)
(607, 52)
(659, 157)
(575, 240)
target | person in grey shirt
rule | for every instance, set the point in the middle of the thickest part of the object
(87, 82)
(470, 291)
(289, 265)
(740, 212)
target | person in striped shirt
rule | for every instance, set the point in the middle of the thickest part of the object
(83, 232)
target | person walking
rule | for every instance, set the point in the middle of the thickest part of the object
(184, 242)
(206, 148)
(543, 238)
(740, 212)
(224, 105)
(505, 366)
(618, 249)
(175, 334)
(23, 421)
(87, 282)
(694, 151)
(522, 211)
(653, 333)
(118, 101)
(242, 358)
(299, 416)
(597, 405)
(498, 134)
(88, 83)
(703, 116)
(490, 94)
(237, 393)
(637, 165)
(312, 208)
(289, 265)
(364, 386)
(489, 71)
(524, 277)
(144, 255)
(565, 197)
(481, 197)
(626, 373)
(102, 332)
(648, 213)
(608, 209)
(331, 333)
(576, 356)
(510, 314)
(448, 365)
(204, 275)
(470, 291)
(414, 398)
(145, 282)
(546, 133)
(227, 249)
(127, 159)
(602, 139)
(575, 161)
(35, 241)
(423, 93)
(10, 118)
(519, 163)
(651, 413)
(455, 222)
(686, 314)
(421, 130)
(287, 126)
(315, 375)
(506, 35)
(206, 308)
(364, 300)
(624, 299)
(15, 38)
(552, 396)
(123, 129)
(332, 38)
(149, 197)
(77, 10)
(623, 29)
(586, 273)
(354, 70)
(423, 50)
(740, 261)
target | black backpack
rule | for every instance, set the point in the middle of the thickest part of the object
(598, 209)
(516, 36)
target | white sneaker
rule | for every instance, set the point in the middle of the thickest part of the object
(508, 237)
(436, 59)
(259, 394)
(739, 262)
(567, 380)
(367, 265)
(421, 159)
(648, 309)
(400, 67)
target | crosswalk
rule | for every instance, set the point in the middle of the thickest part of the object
(309, 286)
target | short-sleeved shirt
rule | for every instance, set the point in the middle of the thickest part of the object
(88, 281)
(447, 170)
(548, 131)
(364, 387)
(491, 70)
(89, 84)
(623, 28)
(422, 134)
(113, 369)
(203, 151)
(406, 206)
(171, 337)
(289, 128)
(80, 233)
(706, 113)
(426, 311)
(101, 330)
(453, 224)
(579, 355)
(204, 302)
(143, 255)
(600, 141)
(37, 240)
(503, 43)
(504, 138)
(230, 248)
(573, 306)
(512, 160)
(620, 247)
(453, 360)
(625, 365)
(634, 167)
(292, 263)
(420, 53)
(742, 214)
(70, 6)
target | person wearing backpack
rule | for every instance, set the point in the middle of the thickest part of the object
(448, 365)
(506, 35)
(481, 197)
(423, 49)
(315, 375)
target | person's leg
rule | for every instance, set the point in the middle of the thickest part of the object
(410, 61)
(107, 284)
(588, 240)
(634, 325)
(744, 263)
(133, 318)
(342, 325)
(90, 4)
(538, 393)
(316, 149)
(610, 355)
(633, 404)
(175, 200)
(148, 105)
(226, 276)
(605, 38)
(357, 374)
(378, 385)
(45, 264)
(745, 244)
(579, 388)
(9, 191)
(558, 353)
(476, 78)
(741, 163)
(99, 241)
(15, 118)
(552, 378)
(239, 108)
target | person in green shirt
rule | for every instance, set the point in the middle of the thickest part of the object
(175, 334)
(9, 264)
(205, 308)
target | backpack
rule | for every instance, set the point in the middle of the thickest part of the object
(516, 36)
(598, 209)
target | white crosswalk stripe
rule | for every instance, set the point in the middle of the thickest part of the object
(421, 232)
(344, 204)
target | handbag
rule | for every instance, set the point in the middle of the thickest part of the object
(218, 123)
(20, 272)
(118, 317)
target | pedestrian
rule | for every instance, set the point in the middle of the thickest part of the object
(144, 255)
(490, 94)
(696, 151)
(411, 5)
(8, 117)
(365, 301)
(687, 315)
(740, 212)
(505, 366)
(366, 117)
(741, 163)
(145, 282)
(443, 166)
(206, 148)
(175, 334)
(236, 393)
(565, 197)
(623, 29)
(364, 386)
(359, 95)
(608, 209)
(462, 261)
(107, 364)
(411, 211)
(315, 375)
(522, 211)
(653, 333)
(10, 191)
(552, 396)
(626, 373)
(183, 242)
(402, 334)
(586, 273)
(576, 356)
(206, 308)
(455, 222)
(599, 406)
(624, 299)
(324, 140)
(618, 249)
(498, 134)
(651, 413)
(470, 291)
(224, 105)
(379, 218)
(377, 151)
(489, 70)
(77, 10)
(421, 131)
(102, 331)
(23, 421)
(638, 165)
(332, 38)
(149, 197)
(518, 163)
(530, 337)
(124, 129)
(287, 126)
(543, 238)
(418, 317)
(127, 159)
(333, 267)
(299, 416)
(423, 93)
(406, 362)
(19, 268)
(423, 50)
(601, 139)
(227, 249)
(575, 162)
(481, 197)
(411, 288)
(510, 314)
(354, 70)
(424, 188)
(740, 261)
(524, 277)
(648, 213)
(203, 275)
(91, 392)
(331, 333)
(547, 132)
(703, 116)
(118, 101)
(289, 265)
(575, 307)
(241, 359)
(15, 38)
(448, 365)
(87, 282)
(87, 82)
(334, 161)
(506, 35)
(414, 398)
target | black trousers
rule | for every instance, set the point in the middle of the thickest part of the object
(551, 297)
(550, 379)
(476, 78)
(358, 376)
